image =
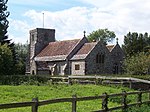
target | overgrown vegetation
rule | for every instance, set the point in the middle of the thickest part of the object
(135, 43)
(137, 50)
(21, 58)
(12, 56)
(22, 79)
(138, 64)
(6, 59)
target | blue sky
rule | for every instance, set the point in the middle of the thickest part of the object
(71, 17)
(17, 7)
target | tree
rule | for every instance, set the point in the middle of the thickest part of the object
(22, 52)
(103, 35)
(3, 22)
(6, 60)
(135, 43)
(137, 64)
(3, 31)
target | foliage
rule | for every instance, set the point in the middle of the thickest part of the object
(103, 35)
(143, 108)
(3, 33)
(21, 56)
(137, 64)
(135, 43)
(22, 79)
(3, 22)
(6, 60)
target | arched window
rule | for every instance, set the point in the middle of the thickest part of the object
(33, 73)
(100, 58)
(115, 68)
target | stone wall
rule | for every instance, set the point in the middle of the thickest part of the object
(43, 72)
(33, 69)
(98, 68)
(81, 70)
(52, 68)
(116, 57)
(39, 38)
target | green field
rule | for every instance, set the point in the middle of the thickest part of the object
(9, 94)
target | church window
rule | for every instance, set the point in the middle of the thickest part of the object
(77, 67)
(100, 58)
(115, 69)
(32, 37)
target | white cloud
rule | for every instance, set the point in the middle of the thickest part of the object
(120, 16)
(68, 23)
(18, 31)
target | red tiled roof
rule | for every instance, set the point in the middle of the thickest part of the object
(58, 48)
(84, 51)
(87, 47)
(110, 47)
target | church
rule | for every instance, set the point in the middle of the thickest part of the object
(71, 57)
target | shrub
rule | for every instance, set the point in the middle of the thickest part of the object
(22, 79)
(137, 64)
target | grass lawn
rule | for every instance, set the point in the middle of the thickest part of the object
(9, 94)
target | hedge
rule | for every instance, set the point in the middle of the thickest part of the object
(21, 79)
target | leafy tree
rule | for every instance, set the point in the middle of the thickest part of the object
(21, 51)
(3, 31)
(103, 35)
(147, 49)
(137, 64)
(135, 43)
(6, 60)
(3, 22)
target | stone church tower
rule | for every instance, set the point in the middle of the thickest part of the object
(39, 38)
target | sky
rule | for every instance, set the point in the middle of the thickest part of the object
(71, 17)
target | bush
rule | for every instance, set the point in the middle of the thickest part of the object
(22, 79)
(138, 64)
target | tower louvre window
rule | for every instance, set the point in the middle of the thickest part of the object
(32, 37)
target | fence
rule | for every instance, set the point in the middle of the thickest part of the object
(105, 100)
(133, 83)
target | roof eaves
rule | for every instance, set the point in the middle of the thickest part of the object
(51, 58)
(79, 57)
